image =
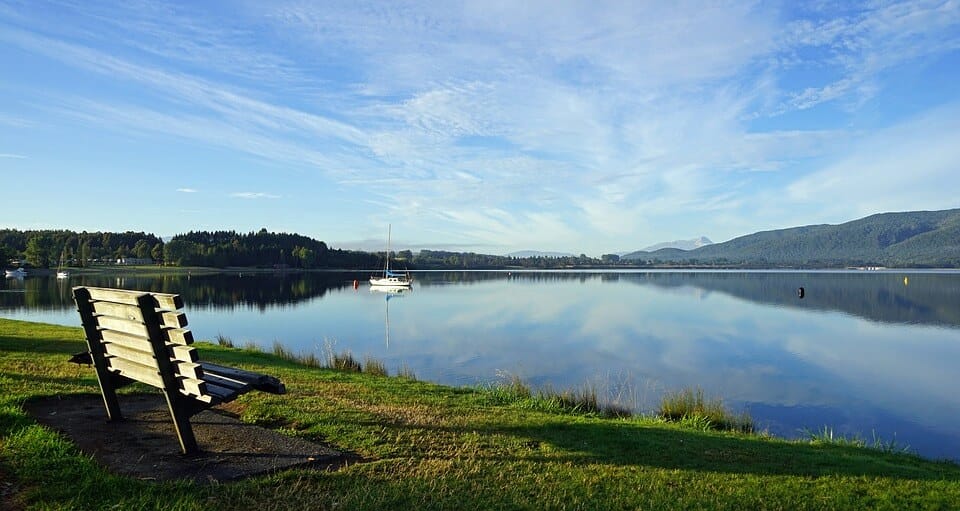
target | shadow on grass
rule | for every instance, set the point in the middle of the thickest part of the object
(631, 444)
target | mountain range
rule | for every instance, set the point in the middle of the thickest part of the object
(537, 253)
(702, 241)
(915, 238)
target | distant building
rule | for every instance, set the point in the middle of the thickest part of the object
(134, 260)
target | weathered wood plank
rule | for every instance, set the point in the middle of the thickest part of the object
(114, 295)
(182, 353)
(139, 372)
(167, 301)
(118, 310)
(261, 382)
(192, 386)
(220, 393)
(189, 369)
(164, 301)
(178, 336)
(140, 357)
(123, 325)
(130, 341)
(234, 385)
(172, 319)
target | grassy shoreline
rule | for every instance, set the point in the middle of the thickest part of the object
(435, 447)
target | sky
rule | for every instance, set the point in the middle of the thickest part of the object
(488, 126)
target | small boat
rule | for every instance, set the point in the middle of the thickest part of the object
(19, 272)
(391, 279)
(62, 273)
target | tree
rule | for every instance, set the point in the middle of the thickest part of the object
(5, 255)
(178, 252)
(157, 252)
(610, 258)
(141, 249)
(39, 250)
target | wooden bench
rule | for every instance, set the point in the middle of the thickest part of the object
(139, 336)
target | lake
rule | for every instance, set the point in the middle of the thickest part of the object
(868, 353)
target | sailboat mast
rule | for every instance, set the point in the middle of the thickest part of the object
(389, 229)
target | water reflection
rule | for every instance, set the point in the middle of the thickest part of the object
(892, 297)
(862, 352)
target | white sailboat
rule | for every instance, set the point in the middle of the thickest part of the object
(62, 273)
(390, 278)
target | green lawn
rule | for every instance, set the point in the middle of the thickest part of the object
(435, 447)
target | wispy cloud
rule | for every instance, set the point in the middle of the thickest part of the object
(254, 195)
(510, 124)
(187, 190)
(13, 156)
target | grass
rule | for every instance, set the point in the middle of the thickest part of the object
(436, 447)
(691, 407)
(826, 436)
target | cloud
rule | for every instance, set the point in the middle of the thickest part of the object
(909, 166)
(498, 123)
(13, 156)
(187, 190)
(254, 195)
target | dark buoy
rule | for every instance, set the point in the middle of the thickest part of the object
(800, 292)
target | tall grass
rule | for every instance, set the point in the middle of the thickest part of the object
(225, 341)
(826, 435)
(585, 399)
(691, 407)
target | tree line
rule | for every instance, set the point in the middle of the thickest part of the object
(50, 248)
(221, 249)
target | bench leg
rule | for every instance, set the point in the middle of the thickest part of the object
(181, 422)
(107, 390)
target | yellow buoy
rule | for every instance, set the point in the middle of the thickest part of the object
(906, 281)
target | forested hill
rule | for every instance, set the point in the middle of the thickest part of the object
(916, 239)
(46, 248)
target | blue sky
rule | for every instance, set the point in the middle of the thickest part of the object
(488, 126)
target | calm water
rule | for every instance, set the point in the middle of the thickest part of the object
(868, 353)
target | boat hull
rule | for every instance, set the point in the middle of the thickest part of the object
(390, 281)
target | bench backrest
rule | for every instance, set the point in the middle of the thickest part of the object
(141, 336)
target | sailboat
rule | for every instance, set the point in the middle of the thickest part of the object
(390, 278)
(62, 273)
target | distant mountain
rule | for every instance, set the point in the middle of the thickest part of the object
(916, 238)
(536, 253)
(702, 241)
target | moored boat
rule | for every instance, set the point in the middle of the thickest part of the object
(390, 278)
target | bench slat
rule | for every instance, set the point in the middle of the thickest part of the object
(234, 385)
(130, 341)
(222, 394)
(114, 295)
(122, 325)
(261, 382)
(168, 301)
(173, 319)
(189, 369)
(182, 353)
(118, 310)
(178, 336)
(140, 357)
(136, 371)
(162, 300)
(192, 386)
